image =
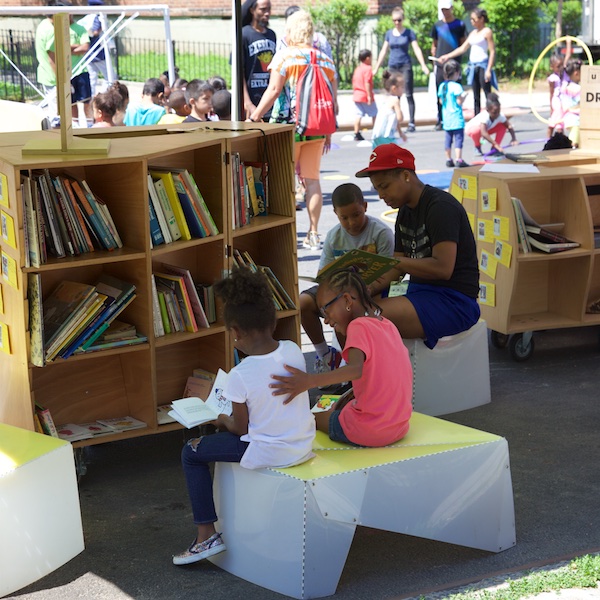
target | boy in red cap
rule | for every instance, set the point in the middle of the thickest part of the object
(435, 245)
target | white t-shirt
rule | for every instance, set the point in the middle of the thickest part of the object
(484, 117)
(279, 435)
(376, 237)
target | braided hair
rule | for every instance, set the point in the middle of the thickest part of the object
(348, 280)
(248, 300)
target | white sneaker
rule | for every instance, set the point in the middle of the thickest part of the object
(312, 241)
(200, 550)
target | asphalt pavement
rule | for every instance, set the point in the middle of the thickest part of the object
(136, 513)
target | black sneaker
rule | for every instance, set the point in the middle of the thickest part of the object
(411, 128)
(460, 163)
(358, 137)
(450, 163)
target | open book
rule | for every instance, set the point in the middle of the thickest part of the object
(368, 265)
(195, 411)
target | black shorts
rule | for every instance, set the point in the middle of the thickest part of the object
(81, 90)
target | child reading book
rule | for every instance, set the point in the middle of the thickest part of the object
(377, 364)
(261, 431)
(354, 230)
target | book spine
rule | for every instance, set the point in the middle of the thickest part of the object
(159, 329)
(36, 317)
(46, 421)
(51, 219)
(525, 245)
(163, 312)
(39, 217)
(155, 231)
(166, 206)
(103, 213)
(77, 210)
(167, 180)
(96, 223)
(62, 227)
(155, 202)
(192, 218)
(64, 210)
(204, 207)
(184, 188)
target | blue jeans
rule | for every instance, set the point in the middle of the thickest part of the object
(218, 447)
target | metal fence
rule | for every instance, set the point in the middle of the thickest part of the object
(17, 47)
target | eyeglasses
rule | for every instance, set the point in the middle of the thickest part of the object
(397, 20)
(323, 309)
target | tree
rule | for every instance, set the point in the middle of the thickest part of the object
(340, 21)
(570, 18)
(514, 23)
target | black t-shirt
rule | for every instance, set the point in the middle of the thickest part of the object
(448, 36)
(258, 50)
(439, 217)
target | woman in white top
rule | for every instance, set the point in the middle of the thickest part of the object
(480, 71)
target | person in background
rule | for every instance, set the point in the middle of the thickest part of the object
(151, 109)
(121, 93)
(258, 47)
(378, 411)
(354, 230)
(435, 245)
(398, 40)
(387, 128)
(261, 431)
(570, 97)
(217, 82)
(164, 77)
(555, 82)
(104, 108)
(179, 84)
(221, 103)
(362, 92)
(451, 96)
(287, 68)
(45, 54)
(447, 35)
(481, 74)
(198, 94)
(97, 66)
(491, 125)
(178, 109)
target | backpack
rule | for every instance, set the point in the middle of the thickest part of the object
(315, 114)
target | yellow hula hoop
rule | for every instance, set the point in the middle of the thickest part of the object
(385, 215)
(564, 38)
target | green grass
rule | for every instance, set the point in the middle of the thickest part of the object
(582, 572)
(140, 67)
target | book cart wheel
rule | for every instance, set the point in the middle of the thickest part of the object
(80, 462)
(499, 340)
(521, 346)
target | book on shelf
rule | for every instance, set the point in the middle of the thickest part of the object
(109, 345)
(169, 186)
(520, 223)
(76, 236)
(157, 213)
(197, 387)
(122, 423)
(53, 235)
(192, 292)
(84, 226)
(368, 265)
(41, 229)
(118, 330)
(156, 232)
(193, 191)
(206, 293)
(544, 243)
(164, 316)
(64, 225)
(162, 414)
(161, 193)
(195, 411)
(191, 212)
(46, 420)
(157, 320)
(170, 309)
(178, 285)
(204, 374)
(549, 234)
(260, 171)
(33, 252)
(105, 214)
(36, 319)
(71, 432)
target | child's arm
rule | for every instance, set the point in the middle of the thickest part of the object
(399, 117)
(237, 423)
(513, 135)
(300, 381)
(381, 56)
(486, 136)
(461, 98)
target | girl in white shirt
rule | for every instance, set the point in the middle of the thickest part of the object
(261, 432)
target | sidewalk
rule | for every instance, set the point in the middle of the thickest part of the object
(426, 106)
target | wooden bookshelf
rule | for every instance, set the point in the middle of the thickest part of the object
(536, 290)
(135, 380)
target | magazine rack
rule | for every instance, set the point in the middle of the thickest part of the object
(135, 380)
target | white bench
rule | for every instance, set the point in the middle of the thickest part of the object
(40, 519)
(290, 530)
(455, 375)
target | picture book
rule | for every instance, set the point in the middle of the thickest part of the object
(46, 420)
(326, 401)
(195, 411)
(197, 387)
(192, 291)
(122, 423)
(544, 243)
(72, 432)
(162, 414)
(368, 265)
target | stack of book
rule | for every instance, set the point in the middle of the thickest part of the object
(178, 306)
(280, 296)
(533, 236)
(75, 315)
(63, 217)
(177, 208)
(249, 185)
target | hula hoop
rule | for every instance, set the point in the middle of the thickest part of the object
(385, 215)
(564, 38)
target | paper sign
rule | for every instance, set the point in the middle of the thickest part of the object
(488, 200)
(501, 228)
(4, 191)
(487, 293)
(488, 264)
(471, 218)
(457, 192)
(1, 302)
(503, 252)
(468, 184)
(4, 338)
(485, 230)
(9, 269)
(7, 229)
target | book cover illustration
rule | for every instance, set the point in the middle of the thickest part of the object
(122, 423)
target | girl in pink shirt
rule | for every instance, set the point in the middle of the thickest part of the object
(377, 363)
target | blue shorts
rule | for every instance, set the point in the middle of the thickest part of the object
(366, 110)
(336, 433)
(81, 90)
(442, 311)
(459, 137)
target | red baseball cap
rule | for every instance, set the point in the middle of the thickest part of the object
(386, 157)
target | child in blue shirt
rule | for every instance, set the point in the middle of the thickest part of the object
(355, 230)
(451, 97)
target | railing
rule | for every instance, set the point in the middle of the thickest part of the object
(19, 47)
